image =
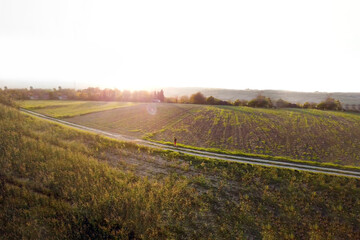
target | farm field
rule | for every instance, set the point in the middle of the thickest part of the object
(62, 109)
(138, 120)
(312, 135)
(60, 183)
(299, 134)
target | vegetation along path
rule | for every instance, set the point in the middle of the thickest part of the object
(225, 157)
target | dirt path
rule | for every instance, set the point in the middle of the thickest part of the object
(232, 158)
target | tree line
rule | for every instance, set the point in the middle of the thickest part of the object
(97, 94)
(261, 102)
(92, 94)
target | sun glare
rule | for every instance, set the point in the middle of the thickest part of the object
(128, 85)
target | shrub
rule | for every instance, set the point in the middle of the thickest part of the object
(261, 101)
(239, 102)
(6, 99)
(309, 105)
(197, 98)
(330, 104)
(215, 101)
(184, 99)
(282, 103)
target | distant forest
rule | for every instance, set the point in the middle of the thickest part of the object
(97, 94)
(88, 94)
(262, 102)
(346, 98)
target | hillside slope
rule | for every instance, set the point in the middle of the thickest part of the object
(300, 134)
(291, 96)
(59, 183)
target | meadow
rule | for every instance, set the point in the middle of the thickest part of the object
(303, 134)
(64, 108)
(60, 183)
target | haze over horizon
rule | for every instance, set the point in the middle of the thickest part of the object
(69, 85)
(282, 45)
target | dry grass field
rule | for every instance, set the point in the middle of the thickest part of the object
(59, 183)
(313, 135)
(62, 109)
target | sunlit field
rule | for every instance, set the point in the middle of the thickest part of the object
(139, 120)
(305, 134)
(57, 182)
(62, 109)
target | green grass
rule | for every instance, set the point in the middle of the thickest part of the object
(63, 109)
(59, 183)
(310, 135)
(260, 156)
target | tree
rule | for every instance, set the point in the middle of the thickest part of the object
(330, 104)
(239, 102)
(260, 101)
(126, 95)
(197, 98)
(210, 100)
(282, 103)
(184, 99)
(6, 99)
(161, 96)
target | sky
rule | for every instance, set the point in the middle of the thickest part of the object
(308, 45)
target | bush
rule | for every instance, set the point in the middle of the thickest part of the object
(309, 105)
(6, 99)
(215, 101)
(330, 104)
(184, 99)
(197, 98)
(261, 102)
(282, 103)
(239, 102)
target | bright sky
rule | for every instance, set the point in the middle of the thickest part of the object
(308, 45)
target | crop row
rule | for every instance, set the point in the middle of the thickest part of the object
(56, 182)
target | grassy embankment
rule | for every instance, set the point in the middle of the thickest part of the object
(63, 109)
(283, 134)
(60, 183)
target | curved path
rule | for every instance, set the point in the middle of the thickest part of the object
(226, 157)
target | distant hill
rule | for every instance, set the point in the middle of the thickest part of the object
(291, 96)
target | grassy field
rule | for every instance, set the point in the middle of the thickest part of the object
(312, 135)
(138, 120)
(62, 109)
(59, 183)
